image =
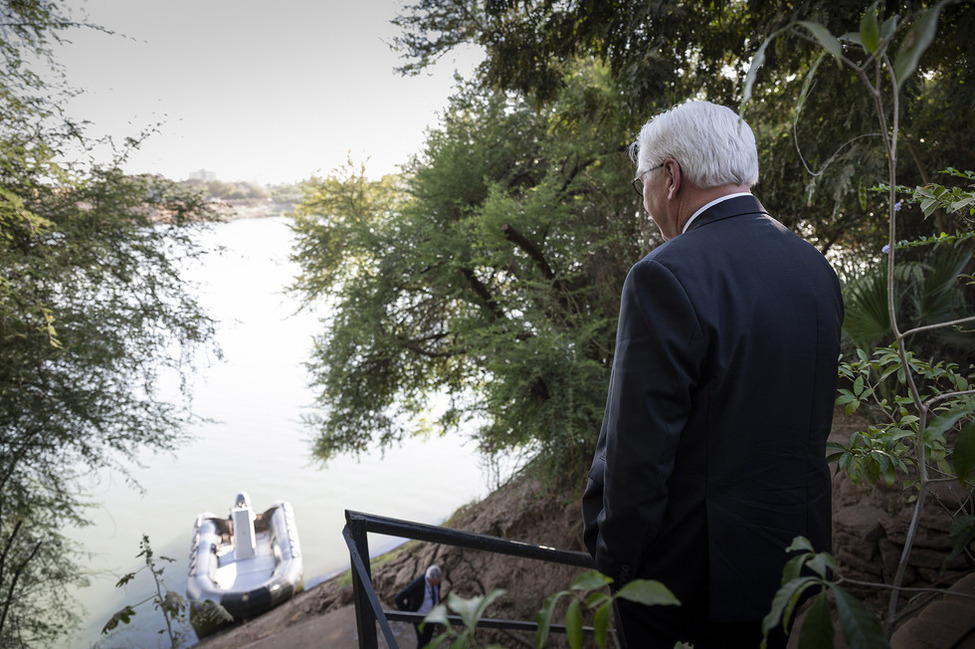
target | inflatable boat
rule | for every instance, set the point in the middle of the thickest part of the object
(246, 563)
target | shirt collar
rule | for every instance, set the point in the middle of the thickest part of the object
(712, 204)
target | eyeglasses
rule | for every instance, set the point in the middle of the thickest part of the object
(638, 181)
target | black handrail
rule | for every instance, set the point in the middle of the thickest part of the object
(369, 611)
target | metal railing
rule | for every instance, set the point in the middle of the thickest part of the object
(369, 611)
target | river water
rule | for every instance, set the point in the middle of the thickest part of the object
(257, 444)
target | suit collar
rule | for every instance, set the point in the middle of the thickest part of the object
(723, 209)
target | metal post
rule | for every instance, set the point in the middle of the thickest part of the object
(365, 618)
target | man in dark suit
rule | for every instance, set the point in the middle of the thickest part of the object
(711, 456)
(420, 596)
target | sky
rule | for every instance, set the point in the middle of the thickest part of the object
(251, 90)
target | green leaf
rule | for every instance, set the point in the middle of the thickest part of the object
(821, 563)
(486, 601)
(793, 568)
(870, 29)
(544, 618)
(573, 625)
(889, 27)
(600, 623)
(648, 592)
(861, 628)
(807, 85)
(470, 610)
(757, 62)
(963, 455)
(121, 617)
(829, 42)
(597, 599)
(852, 37)
(817, 628)
(961, 534)
(782, 602)
(591, 580)
(800, 544)
(125, 579)
(438, 615)
(173, 603)
(211, 612)
(918, 38)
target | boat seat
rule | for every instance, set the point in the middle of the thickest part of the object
(242, 516)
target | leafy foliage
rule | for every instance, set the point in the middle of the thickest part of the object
(92, 310)
(173, 606)
(819, 145)
(470, 611)
(587, 594)
(923, 404)
(929, 292)
(491, 274)
(430, 297)
(809, 573)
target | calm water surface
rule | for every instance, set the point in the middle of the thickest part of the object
(257, 444)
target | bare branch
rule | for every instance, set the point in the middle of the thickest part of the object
(939, 325)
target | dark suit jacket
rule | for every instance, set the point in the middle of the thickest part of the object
(711, 456)
(411, 597)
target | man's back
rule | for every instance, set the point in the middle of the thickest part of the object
(761, 364)
(711, 455)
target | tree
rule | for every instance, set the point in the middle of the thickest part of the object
(533, 149)
(92, 311)
(491, 272)
(819, 156)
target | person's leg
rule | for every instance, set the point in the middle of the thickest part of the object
(423, 637)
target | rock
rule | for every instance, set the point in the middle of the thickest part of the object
(943, 623)
(862, 521)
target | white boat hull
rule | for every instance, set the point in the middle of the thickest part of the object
(247, 573)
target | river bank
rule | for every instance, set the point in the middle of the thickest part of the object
(233, 209)
(870, 526)
(523, 509)
(249, 436)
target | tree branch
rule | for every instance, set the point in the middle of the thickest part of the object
(520, 240)
(17, 573)
(482, 292)
(938, 325)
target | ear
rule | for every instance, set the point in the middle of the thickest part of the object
(673, 178)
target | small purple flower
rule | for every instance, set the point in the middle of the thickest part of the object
(897, 206)
(886, 249)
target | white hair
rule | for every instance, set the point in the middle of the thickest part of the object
(433, 572)
(712, 144)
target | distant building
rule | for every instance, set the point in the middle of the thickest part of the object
(203, 174)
